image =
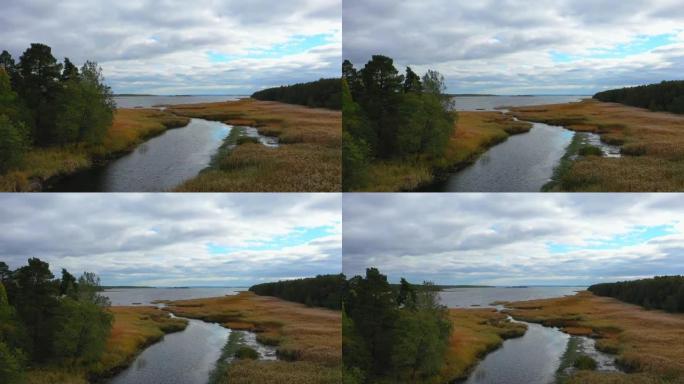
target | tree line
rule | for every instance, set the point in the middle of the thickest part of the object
(660, 292)
(323, 93)
(387, 115)
(668, 96)
(320, 291)
(392, 334)
(46, 320)
(46, 103)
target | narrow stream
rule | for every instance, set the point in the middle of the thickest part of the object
(523, 163)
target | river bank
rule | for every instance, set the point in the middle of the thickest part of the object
(130, 128)
(308, 157)
(307, 340)
(474, 133)
(651, 145)
(134, 329)
(635, 335)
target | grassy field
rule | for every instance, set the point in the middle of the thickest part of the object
(648, 344)
(308, 340)
(476, 332)
(308, 159)
(475, 132)
(134, 329)
(130, 128)
(652, 146)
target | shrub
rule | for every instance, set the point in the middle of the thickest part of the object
(246, 353)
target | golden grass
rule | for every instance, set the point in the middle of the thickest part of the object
(130, 128)
(652, 146)
(308, 159)
(133, 330)
(280, 372)
(476, 332)
(648, 343)
(474, 133)
(306, 338)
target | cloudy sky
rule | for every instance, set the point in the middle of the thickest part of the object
(184, 47)
(175, 239)
(514, 239)
(522, 46)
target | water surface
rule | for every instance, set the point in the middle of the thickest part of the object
(491, 103)
(146, 296)
(154, 101)
(484, 297)
(157, 165)
(522, 163)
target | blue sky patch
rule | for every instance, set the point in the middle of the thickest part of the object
(295, 45)
(641, 44)
(299, 236)
(638, 235)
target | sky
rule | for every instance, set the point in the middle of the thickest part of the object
(158, 239)
(514, 239)
(184, 47)
(514, 47)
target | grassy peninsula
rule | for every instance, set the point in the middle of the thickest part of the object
(649, 344)
(307, 159)
(652, 147)
(308, 339)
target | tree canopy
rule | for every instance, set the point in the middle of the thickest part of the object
(323, 93)
(660, 292)
(667, 96)
(320, 291)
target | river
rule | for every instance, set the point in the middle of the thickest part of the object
(186, 357)
(522, 163)
(534, 358)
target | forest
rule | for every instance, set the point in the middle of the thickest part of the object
(668, 96)
(392, 334)
(660, 292)
(44, 103)
(320, 291)
(324, 93)
(387, 115)
(45, 321)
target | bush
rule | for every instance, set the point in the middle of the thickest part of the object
(590, 150)
(584, 362)
(246, 353)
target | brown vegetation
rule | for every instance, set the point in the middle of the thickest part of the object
(648, 344)
(476, 332)
(308, 340)
(307, 160)
(130, 128)
(652, 146)
(475, 132)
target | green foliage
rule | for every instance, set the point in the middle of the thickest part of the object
(245, 352)
(585, 362)
(320, 291)
(324, 93)
(400, 337)
(13, 143)
(590, 150)
(666, 96)
(11, 366)
(660, 292)
(43, 319)
(81, 331)
(391, 116)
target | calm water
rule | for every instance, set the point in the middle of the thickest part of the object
(158, 164)
(523, 163)
(534, 358)
(490, 103)
(484, 297)
(186, 357)
(183, 357)
(146, 296)
(153, 101)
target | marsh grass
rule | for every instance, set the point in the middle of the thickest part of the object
(308, 158)
(475, 132)
(648, 344)
(476, 332)
(309, 340)
(652, 145)
(133, 330)
(130, 128)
